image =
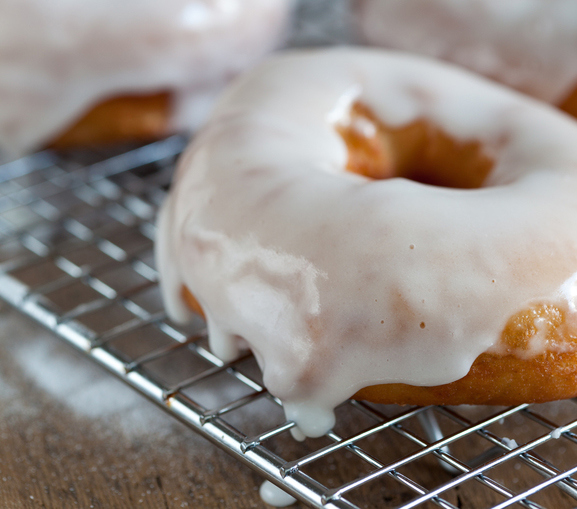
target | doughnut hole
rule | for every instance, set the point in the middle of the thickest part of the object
(418, 151)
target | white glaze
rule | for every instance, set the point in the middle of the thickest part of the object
(273, 495)
(59, 58)
(557, 433)
(313, 265)
(530, 45)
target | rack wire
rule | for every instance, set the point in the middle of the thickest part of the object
(76, 239)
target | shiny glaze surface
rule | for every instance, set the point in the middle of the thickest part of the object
(339, 282)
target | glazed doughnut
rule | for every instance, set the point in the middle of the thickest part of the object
(370, 232)
(530, 45)
(94, 71)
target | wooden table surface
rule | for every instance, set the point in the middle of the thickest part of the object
(71, 435)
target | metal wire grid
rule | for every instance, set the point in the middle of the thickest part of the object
(76, 255)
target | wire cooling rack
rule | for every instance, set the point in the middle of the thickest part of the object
(76, 240)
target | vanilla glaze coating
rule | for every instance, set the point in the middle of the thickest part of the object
(338, 282)
(530, 45)
(58, 59)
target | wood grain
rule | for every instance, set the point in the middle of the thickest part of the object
(51, 457)
(58, 454)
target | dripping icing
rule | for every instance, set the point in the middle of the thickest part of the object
(293, 291)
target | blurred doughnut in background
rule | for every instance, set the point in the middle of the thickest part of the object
(85, 72)
(530, 45)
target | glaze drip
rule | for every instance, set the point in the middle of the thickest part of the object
(328, 275)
